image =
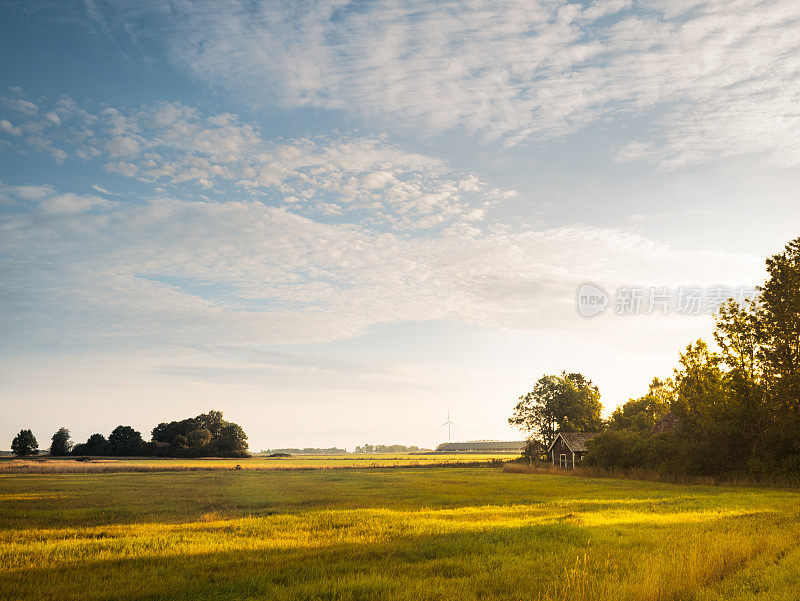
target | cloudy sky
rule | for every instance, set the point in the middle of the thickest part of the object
(334, 221)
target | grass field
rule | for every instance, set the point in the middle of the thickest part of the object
(46, 465)
(377, 533)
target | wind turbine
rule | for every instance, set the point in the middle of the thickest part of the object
(449, 423)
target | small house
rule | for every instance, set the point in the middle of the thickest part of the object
(568, 448)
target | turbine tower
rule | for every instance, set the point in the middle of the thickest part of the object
(449, 423)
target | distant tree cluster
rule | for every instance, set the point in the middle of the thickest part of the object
(384, 448)
(305, 451)
(207, 435)
(734, 409)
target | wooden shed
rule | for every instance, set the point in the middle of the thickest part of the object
(568, 448)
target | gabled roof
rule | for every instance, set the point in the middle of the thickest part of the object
(576, 441)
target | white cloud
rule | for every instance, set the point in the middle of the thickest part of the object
(238, 273)
(123, 146)
(48, 200)
(9, 128)
(102, 190)
(720, 78)
(73, 203)
(353, 177)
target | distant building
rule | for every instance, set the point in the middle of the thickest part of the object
(568, 448)
(482, 446)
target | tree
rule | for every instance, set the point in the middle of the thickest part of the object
(206, 435)
(211, 421)
(642, 414)
(700, 391)
(96, 444)
(168, 431)
(125, 441)
(232, 440)
(199, 438)
(778, 331)
(568, 403)
(61, 444)
(24, 444)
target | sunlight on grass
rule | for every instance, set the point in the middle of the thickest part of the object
(372, 534)
(299, 462)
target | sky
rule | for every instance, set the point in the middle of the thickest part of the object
(335, 221)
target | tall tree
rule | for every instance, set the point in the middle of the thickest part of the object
(232, 440)
(211, 421)
(642, 414)
(95, 445)
(700, 392)
(736, 335)
(60, 444)
(24, 444)
(568, 402)
(779, 338)
(125, 441)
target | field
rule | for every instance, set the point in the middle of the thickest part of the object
(350, 460)
(451, 533)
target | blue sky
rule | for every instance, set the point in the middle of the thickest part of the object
(336, 220)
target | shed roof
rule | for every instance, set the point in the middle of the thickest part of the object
(576, 441)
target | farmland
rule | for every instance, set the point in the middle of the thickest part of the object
(302, 462)
(459, 532)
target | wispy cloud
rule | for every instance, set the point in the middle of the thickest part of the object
(714, 79)
(176, 272)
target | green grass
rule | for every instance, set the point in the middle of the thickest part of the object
(434, 533)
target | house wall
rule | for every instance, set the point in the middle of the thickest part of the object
(560, 448)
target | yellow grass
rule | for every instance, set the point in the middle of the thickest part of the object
(48, 465)
(451, 533)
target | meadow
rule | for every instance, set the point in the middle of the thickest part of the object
(398, 532)
(47, 465)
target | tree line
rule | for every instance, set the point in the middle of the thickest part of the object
(305, 451)
(728, 409)
(207, 435)
(388, 448)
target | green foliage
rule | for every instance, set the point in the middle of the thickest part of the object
(207, 435)
(24, 444)
(169, 431)
(197, 439)
(374, 448)
(61, 444)
(534, 451)
(642, 414)
(95, 445)
(738, 406)
(567, 402)
(124, 441)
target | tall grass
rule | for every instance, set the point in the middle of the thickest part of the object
(652, 475)
(400, 534)
(305, 462)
